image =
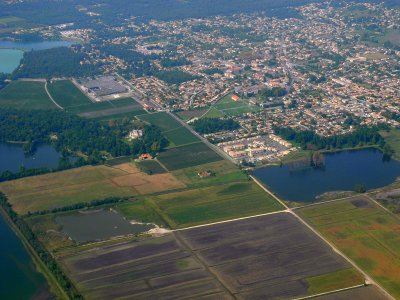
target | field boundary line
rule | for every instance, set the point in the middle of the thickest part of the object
(269, 192)
(332, 200)
(367, 277)
(383, 207)
(332, 292)
(231, 220)
(51, 97)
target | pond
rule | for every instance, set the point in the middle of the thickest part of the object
(18, 276)
(12, 52)
(12, 157)
(342, 172)
(88, 226)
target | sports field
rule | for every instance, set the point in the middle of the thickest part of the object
(237, 260)
(83, 185)
(366, 233)
(25, 95)
(188, 156)
(211, 204)
(233, 108)
(67, 95)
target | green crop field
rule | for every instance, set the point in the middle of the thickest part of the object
(222, 172)
(150, 167)
(190, 114)
(205, 205)
(366, 233)
(162, 120)
(180, 136)
(188, 156)
(213, 113)
(67, 95)
(25, 95)
(93, 107)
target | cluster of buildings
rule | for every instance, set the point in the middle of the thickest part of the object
(257, 149)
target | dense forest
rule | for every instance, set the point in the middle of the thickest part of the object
(69, 133)
(56, 62)
(362, 136)
(40, 250)
(210, 125)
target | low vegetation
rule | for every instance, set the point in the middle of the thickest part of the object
(211, 125)
(365, 233)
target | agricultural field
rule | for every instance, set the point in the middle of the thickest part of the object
(366, 233)
(186, 115)
(180, 136)
(25, 95)
(221, 171)
(162, 120)
(177, 134)
(214, 262)
(67, 95)
(365, 293)
(150, 167)
(210, 204)
(188, 156)
(83, 184)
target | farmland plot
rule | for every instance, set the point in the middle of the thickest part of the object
(214, 262)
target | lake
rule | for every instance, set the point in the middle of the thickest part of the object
(12, 52)
(34, 45)
(10, 59)
(12, 157)
(18, 277)
(88, 226)
(342, 172)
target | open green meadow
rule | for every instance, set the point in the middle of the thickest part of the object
(213, 113)
(162, 120)
(180, 136)
(204, 205)
(393, 139)
(188, 156)
(366, 233)
(232, 108)
(174, 131)
(67, 95)
(25, 95)
(222, 171)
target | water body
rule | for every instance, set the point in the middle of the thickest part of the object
(18, 276)
(10, 59)
(342, 172)
(12, 157)
(34, 45)
(12, 52)
(98, 225)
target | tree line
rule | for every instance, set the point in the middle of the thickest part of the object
(361, 136)
(211, 125)
(40, 250)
